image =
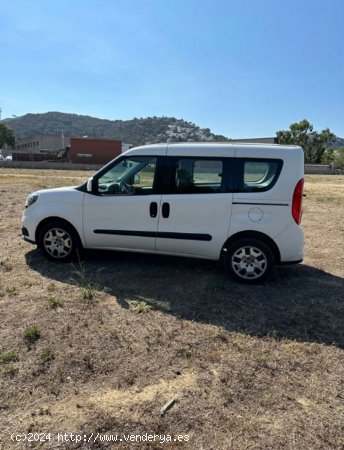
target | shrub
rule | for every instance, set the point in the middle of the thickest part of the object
(11, 291)
(8, 357)
(88, 287)
(32, 334)
(334, 158)
(46, 355)
(140, 306)
(54, 302)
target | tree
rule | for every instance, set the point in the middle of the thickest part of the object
(313, 143)
(334, 157)
(6, 136)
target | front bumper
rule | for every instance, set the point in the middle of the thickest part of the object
(29, 225)
(25, 236)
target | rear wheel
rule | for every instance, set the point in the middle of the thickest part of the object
(249, 261)
(59, 241)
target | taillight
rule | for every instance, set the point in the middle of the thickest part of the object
(296, 208)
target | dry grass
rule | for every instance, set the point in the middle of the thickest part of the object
(249, 367)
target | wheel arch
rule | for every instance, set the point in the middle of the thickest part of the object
(251, 234)
(55, 219)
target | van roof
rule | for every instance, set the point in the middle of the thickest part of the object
(236, 144)
(221, 144)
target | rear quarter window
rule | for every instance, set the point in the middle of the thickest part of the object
(257, 175)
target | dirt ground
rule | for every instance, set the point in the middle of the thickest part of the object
(93, 350)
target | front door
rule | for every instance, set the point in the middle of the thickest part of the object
(123, 211)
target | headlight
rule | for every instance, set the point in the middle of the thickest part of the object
(31, 200)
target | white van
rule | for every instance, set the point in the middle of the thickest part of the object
(237, 203)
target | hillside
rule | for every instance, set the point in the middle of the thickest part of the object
(339, 142)
(134, 132)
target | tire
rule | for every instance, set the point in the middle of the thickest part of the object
(249, 261)
(59, 241)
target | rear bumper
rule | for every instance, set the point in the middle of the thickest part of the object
(290, 243)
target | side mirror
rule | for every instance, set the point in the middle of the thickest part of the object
(137, 179)
(89, 184)
(92, 185)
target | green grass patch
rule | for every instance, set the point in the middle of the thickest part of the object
(54, 302)
(9, 356)
(32, 334)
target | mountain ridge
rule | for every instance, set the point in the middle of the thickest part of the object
(137, 131)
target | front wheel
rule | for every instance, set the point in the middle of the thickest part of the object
(59, 241)
(249, 261)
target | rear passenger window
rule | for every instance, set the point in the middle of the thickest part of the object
(208, 173)
(193, 176)
(260, 175)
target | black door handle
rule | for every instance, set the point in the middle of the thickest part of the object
(165, 210)
(153, 209)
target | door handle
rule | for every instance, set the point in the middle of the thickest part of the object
(153, 209)
(165, 210)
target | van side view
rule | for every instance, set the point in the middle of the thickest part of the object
(237, 203)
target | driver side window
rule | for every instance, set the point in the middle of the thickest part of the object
(130, 176)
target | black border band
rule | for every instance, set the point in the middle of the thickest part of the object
(267, 204)
(158, 234)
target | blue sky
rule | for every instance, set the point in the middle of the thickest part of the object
(243, 68)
